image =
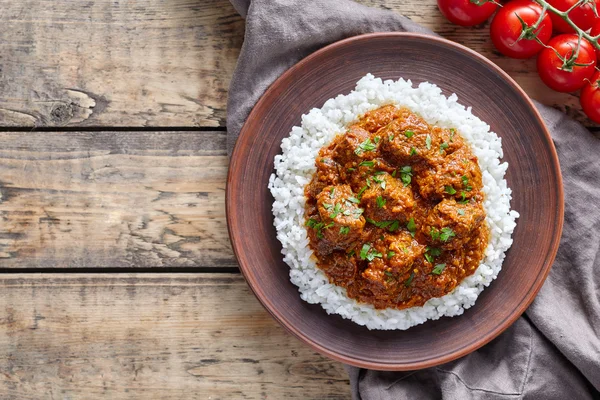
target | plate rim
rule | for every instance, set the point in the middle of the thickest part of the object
(235, 162)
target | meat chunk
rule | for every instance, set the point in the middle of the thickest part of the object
(387, 199)
(340, 268)
(355, 146)
(446, 141)
(376, 119)
(340, 216)
(454, 176)
(327, 174)
(406, 140)
(449, 224)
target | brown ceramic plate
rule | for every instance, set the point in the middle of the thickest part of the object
(533, 174)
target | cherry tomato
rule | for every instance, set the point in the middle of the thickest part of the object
(590, 98)
(583, 16)
(568, 72)
(506, 29)
(594, 32)
(467, 12)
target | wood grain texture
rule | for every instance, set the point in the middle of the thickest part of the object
(151, 337)
(533, 175)
(116, 63)
(161, 63)
(113, 199)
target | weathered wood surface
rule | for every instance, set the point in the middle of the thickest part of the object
(113, 199)
(160, 63)
(151, 336)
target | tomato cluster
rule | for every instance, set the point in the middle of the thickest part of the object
(522, 29)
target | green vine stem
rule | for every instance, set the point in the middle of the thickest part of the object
(565, 15)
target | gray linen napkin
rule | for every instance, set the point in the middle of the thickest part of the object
(553, 350)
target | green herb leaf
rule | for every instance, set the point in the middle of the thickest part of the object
(391, 254)
(406, 175)
(344, 230)
(437, 270)
(434, 251)
(409, 280)
(336, 211)
(446, 234)
(464, 180)
(364, 251)
(428, 142)
(366, 164)
(394, 173)
(411, 226)
(351, 169)
(358, 212)
(332, 193)
(452, 132)
(449, 190)
(409, 134)
(372, 254)
(380, 201)
(434, 233)
(413, 151)
(463, 199)
(376, 139)
(461, 211)
(353, 200)
(378, 173)
(351, 253)
(394, 226)
(443, 147)
(361, 191)
(346, 212)
(388, 273)
(311, 223)
(329, 225)
(327, 206)
(367, 145)
(391, 137)
(405, 250)
(429, 257)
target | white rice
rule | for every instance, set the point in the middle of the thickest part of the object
(296, 165)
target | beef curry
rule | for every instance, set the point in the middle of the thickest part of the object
(395, 210)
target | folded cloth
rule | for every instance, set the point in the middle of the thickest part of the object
(553, 350)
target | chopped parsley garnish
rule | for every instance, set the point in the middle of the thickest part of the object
(465, 182)
(368, 182)
(329, 225)
(437, 270)
(411, 226)
(446, 234)
(367, 253)
(378, 173)
(328, 207)
(358, 212)
(434, 233)
(409, 280)
(351, 169)
(452, 132)
(344, 230)
(394, 226)
(429, 257)
(366, 164)
(367, 145)
(381, 201)
(376, 139)
(409, 134)
(361, 191)
(336, 211)
(391, 137)
(332, 193)
(413, 151)
(388, 273)
(449, 190)
(443, 147)
(391, 254)
(351, 253)
(405, 175)
(394, 173)
(463, 199)
(311, 223)
(461, 212)
(381, 181)
(428, 142)
(391, 225)
(318, 226)
(363, 252)
(405, 250)
(353, 200)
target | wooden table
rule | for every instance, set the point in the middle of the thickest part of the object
(118, 276)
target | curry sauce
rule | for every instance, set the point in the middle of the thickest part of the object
(395, 210)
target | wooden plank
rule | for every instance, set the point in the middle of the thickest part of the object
(151, 336)
(116, 63)
(113, 199)
(161, 63)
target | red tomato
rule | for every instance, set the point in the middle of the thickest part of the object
(590, 98)
(583, 16)
(561, 73)
(506, 29)
(467, 12)
(595, 32)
